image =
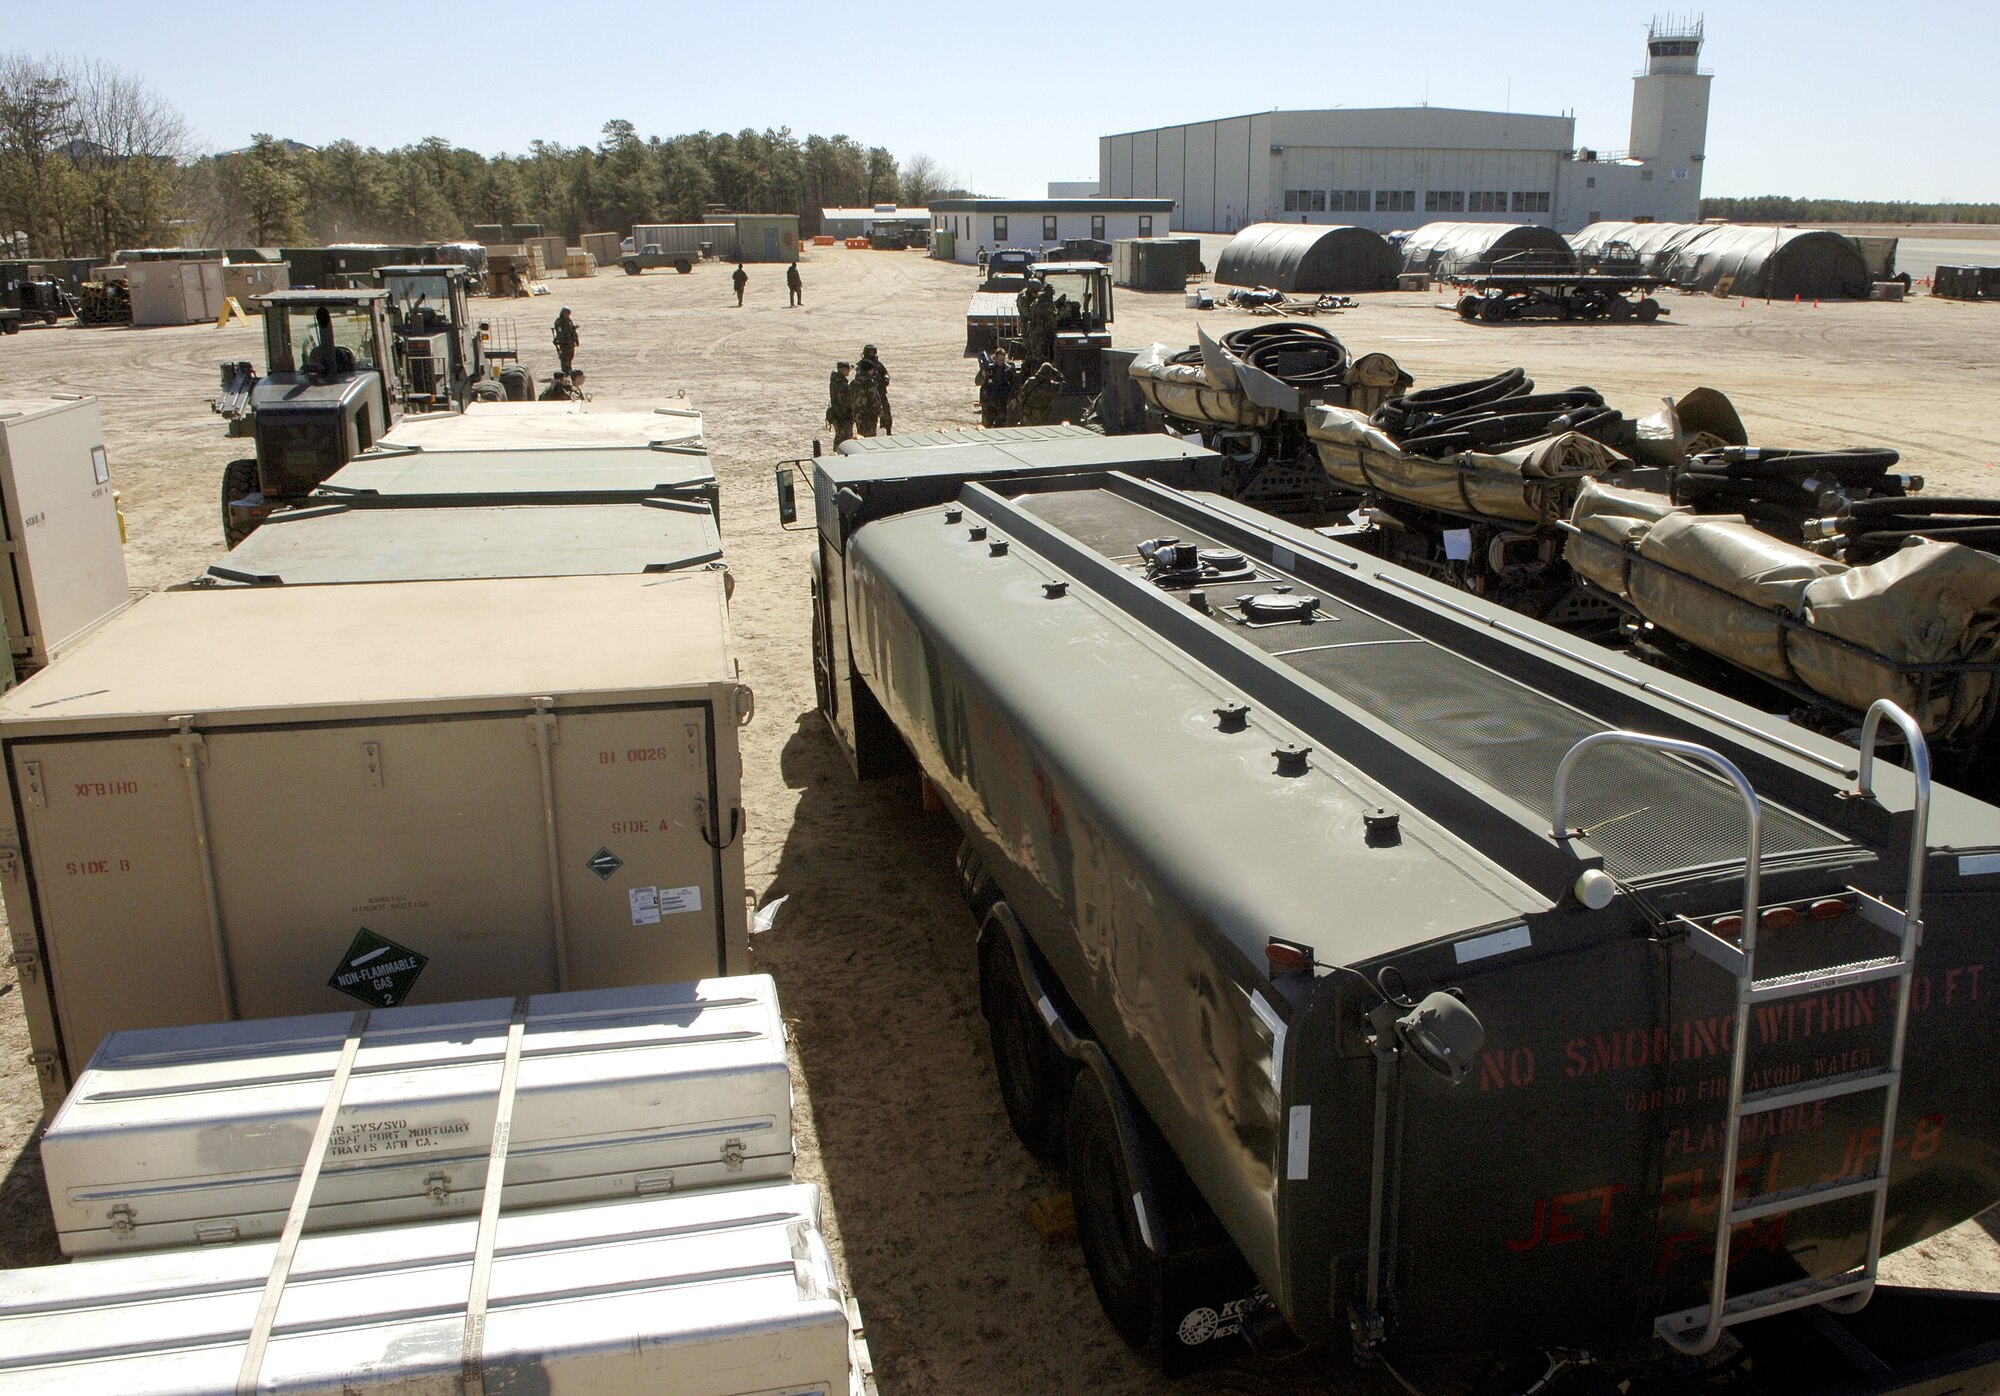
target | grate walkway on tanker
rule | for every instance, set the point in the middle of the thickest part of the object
(1644, 813)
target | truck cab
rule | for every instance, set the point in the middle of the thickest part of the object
(332, 386)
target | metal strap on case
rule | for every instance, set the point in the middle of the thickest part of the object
(472, 1373)
(252, 1371)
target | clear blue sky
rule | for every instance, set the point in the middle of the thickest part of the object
(1835, 98)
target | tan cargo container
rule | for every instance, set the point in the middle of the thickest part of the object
(67, 567)
(262, 801)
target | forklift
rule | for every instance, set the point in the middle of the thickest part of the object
(333, 385)
(439, 352)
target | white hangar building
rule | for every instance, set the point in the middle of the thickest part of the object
(1399, 167)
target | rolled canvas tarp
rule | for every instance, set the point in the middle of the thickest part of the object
(1718, 583)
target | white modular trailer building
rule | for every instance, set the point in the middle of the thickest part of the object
(965, 225)
(1389, 168)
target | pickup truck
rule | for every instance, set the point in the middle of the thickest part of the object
(653, 255)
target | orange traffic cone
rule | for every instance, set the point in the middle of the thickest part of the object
(1815, 302)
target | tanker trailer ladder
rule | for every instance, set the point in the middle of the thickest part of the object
(1695, 1331)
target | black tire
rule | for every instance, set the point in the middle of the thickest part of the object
(51, 317)
(517, 383)
(683, 266)
(1033, 1074)
(632, 268)
(1493, 309)
(1123, 1271)
(10, 326)
(1620, 310)
(239, 478)
(1468, 306)
(1648, 310)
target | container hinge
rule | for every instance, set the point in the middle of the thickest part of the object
(371, 764)
(27, 964)
(655, 1180)
(746, 704)
(438, 1187)
(123, 1222)
(193, 748)
(44, 1064)
(10, 863)
(732, 1155)
(33, 791)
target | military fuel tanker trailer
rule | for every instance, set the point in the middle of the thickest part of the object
(1393, 970)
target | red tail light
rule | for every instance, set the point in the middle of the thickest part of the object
(1778, 917)
(1286, 957)
(1727, 926)
(1829, 909)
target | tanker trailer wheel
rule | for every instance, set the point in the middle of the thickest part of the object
(1648, 310)
(1033, 1073)
(239, 478)
(1620, 309)
(1123, 1270)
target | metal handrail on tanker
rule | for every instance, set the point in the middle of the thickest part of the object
(1711, 1330)
(1913, 899)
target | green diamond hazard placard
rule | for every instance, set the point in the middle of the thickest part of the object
(377, 971)
(604, 863)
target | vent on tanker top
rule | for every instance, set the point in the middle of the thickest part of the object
(1173, 564)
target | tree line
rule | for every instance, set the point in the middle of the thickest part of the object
(92, 161)
(1778, 208)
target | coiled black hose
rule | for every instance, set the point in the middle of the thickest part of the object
(1867, 530)
(1512, 422)
(1299, 355)
(1862, 466)
(1400, 415)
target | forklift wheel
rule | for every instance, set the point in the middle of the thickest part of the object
(239, 478)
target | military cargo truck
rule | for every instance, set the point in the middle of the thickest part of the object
(1390, 971)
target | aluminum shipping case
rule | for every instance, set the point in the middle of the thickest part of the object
(519, 786)
(61, 522)
(337, 542)
(198, 1135)
(533, 453)
(726, 1293)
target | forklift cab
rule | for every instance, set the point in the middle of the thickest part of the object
(1082, 292)
(330, 390)
(438, 351)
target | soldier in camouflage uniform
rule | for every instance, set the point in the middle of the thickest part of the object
(1041, 329)
(871, 395)
(840, 402)
(995, 381)
(1034, 405)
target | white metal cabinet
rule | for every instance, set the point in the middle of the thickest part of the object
(65, 561)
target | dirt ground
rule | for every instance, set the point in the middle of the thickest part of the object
(897, 1109)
